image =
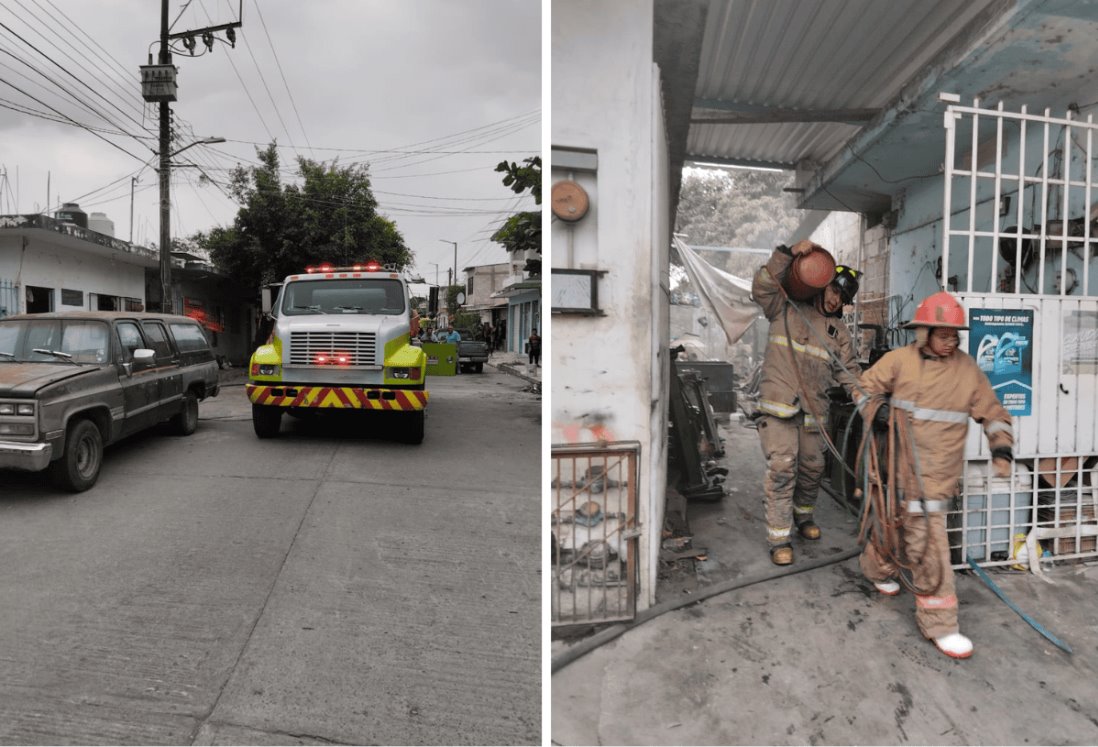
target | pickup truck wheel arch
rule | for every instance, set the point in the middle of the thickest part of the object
(185, 422)
(79, 465)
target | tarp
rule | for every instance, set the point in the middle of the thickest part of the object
(725, 296)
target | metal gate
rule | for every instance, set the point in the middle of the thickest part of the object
(9, 298)
(1018, 249)
(594, 533)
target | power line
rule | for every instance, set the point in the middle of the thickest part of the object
(293, 103)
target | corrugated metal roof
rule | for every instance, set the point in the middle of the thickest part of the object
(811, 56)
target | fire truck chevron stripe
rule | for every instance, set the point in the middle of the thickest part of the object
(338, 397)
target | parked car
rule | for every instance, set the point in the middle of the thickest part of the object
(74, 382)
(472, 353)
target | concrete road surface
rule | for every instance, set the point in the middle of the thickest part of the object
(821, 658)
(322, 587)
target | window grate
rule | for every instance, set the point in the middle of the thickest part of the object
(594, 534)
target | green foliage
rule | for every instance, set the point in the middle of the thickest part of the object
(451, 298)
(328, 215)
(469, 320)
(521, 232)
(740, 208)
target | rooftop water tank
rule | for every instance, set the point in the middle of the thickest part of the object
(100, 223)
(70, 212)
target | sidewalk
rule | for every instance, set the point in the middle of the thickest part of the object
(516, 365)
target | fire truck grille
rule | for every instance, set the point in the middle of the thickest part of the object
(320, 348)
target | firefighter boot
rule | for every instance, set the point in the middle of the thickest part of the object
(808, 529)
(888, 587)
(781, 554)
(955, 645)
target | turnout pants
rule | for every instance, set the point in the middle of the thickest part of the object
(927, 546)
(794, 467)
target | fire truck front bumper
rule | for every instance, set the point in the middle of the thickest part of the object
(337, 397)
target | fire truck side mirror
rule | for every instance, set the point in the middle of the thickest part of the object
(268, 300)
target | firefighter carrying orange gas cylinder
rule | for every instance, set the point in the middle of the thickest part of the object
(802, 293)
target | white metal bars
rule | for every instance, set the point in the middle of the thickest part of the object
(1038, 241)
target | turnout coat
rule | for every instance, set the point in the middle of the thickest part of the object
(802, 341)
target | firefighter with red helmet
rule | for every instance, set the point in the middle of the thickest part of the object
(809, 350)
(935, 387)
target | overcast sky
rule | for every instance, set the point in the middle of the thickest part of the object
(431, 93)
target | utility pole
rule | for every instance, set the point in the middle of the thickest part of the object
(158, 84)
(165, 58)
(133, 183)
(444, 241)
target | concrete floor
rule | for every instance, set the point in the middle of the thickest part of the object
(820, 658)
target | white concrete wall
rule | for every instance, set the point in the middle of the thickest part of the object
(50, 266)
(608, 371)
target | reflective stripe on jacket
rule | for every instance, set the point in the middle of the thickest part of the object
(940, 395)
(809, 342)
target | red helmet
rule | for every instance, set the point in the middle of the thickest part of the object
(939, 310)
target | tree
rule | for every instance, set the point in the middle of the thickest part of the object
(330, 215)
(741, 208)
(522, 231)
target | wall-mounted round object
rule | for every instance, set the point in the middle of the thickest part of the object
(570, 201)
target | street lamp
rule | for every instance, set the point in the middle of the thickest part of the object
(444, 241)
(166, 304)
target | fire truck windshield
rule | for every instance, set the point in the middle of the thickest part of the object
(344, 296)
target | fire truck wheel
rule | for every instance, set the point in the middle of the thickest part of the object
(266, 420)
(413, 427)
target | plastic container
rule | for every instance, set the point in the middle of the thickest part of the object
(809, 274)
(977, 516)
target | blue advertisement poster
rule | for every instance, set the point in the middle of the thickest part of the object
(1001, 341)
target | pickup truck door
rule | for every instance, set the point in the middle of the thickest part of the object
(140, 387)
(169, 373)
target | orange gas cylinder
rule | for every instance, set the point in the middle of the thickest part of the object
(809, 274)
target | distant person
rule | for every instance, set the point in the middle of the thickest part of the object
(490, 338)
(533, 348)
(452, 335)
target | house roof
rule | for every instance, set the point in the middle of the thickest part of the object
(846, 90)
(70, 236)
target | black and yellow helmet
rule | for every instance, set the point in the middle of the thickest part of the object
(846, 280)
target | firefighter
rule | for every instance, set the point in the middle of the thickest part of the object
(938, 387)
(808, 341)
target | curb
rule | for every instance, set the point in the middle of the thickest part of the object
(513, 370)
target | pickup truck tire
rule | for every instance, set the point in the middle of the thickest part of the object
(266, 420)
(478, 367)
(78, 468)
(185, 422)
(412, 432)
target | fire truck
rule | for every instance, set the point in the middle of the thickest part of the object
(341, 339)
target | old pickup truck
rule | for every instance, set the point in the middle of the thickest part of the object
(472, 353)
(73, 382)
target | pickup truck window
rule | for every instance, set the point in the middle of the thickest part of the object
(158, 339)
(130, 337)
(344, 296)
(84, 342)
(188, 337)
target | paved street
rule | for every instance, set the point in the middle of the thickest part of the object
(321, 587)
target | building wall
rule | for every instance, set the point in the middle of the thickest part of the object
(47, 266)
(609, 370)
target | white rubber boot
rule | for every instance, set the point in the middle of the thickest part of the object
(889, 588)
(955, 645)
